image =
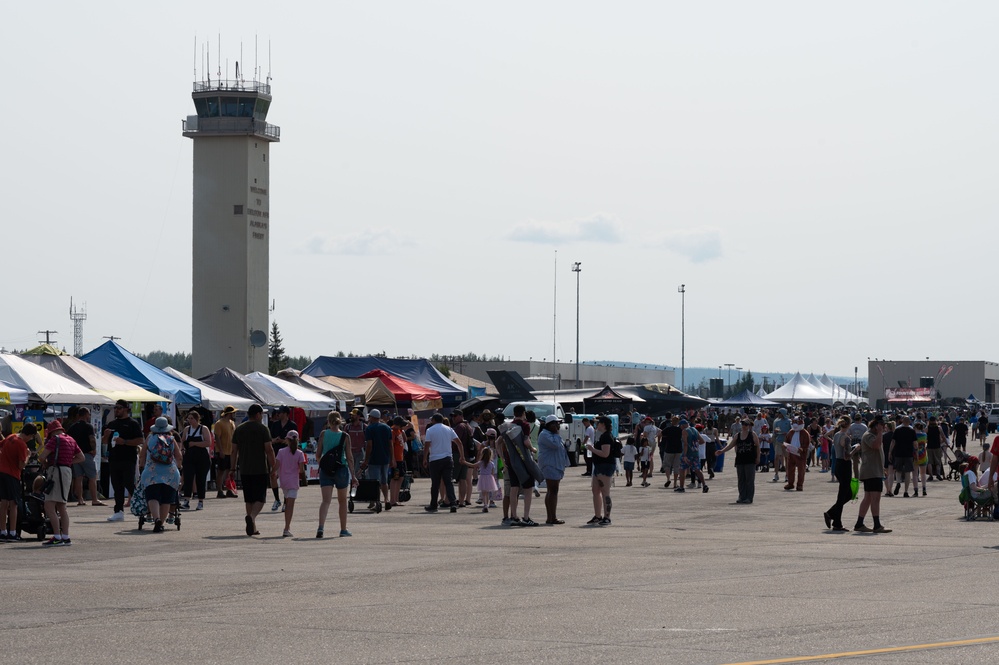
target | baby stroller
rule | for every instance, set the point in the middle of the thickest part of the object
(405, 493)
(960, 457)
(31, 506)
(140, 509)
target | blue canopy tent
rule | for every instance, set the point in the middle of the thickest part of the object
(420, 372)
(114, 358)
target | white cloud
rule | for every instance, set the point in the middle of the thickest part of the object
(369, 242)
(596, 228)
(696, 245)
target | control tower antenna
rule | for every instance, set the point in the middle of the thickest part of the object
(77, 316)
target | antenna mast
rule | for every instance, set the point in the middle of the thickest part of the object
(77, 316)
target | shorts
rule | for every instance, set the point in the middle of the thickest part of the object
(671, 462)
(629, 466)
(162, 493)
(63, 480)
(512, 480)
(604, 469)
(903, 464)
(379, 472)
(399, 470)
(85, 469)
(874, 484)
(935, 456)
(223, 462)
(460, 471)
(255, 487)
(10, 488)
(291, 493)
(688, 463)
(644, 466)
(339, 480)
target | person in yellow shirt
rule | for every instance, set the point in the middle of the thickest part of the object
(223, 429)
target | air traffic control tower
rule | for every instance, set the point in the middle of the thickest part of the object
(231, 224)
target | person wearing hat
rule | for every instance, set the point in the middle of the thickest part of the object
(781, 429)
(223, 430)
(279, 439)
(796, 453)
(14, 456)
(122, 438)
(59, 454)
(160, 479)
(552, 458)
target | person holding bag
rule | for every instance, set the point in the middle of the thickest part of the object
(335, 462)
(60, 453)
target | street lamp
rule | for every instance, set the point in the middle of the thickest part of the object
(730, 366)
(739, 370)
(576, 268)
(682, 290)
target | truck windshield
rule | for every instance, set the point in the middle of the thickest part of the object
(541, 410)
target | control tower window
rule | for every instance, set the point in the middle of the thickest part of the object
(260, 113)
(213, 107)
(201, 105)
(246, 107)
(230, 107)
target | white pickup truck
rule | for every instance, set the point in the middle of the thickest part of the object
(543, 410)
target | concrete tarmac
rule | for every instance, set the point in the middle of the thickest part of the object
(679, 578)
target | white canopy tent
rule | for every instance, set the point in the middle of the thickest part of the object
(838, 392)
(99, 380)
(212, 398)
(45, 385)
(12, 395)
(297, 395)
(798, 389)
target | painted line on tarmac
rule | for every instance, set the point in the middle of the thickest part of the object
(871, 652)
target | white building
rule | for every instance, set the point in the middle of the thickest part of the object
(951, 379)
(231, 224)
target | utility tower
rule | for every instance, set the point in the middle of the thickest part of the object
(77, 316)
(231, 221)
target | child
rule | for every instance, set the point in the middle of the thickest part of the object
(290, 469)
(644, 459)
(629, 451)
(487, 479)
(765, 438)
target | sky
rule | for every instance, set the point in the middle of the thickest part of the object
(819, 176)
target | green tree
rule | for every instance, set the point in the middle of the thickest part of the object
(276, 358)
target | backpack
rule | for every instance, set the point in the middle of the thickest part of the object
(161, 449)
(617, 450)
(333, 459)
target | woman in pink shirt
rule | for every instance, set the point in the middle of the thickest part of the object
(59, 454)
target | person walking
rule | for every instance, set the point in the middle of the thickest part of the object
(197, 461)
(122, 436)
(844, 475)
(747, 459)
(340, 446)
(253, 458)
(290, 469)
(796, 448)
(440, 440)
(552, 458)
(14, 455)
(59, 453)
(604, 466)
(160, 461)
(223, 429)
(871, 473)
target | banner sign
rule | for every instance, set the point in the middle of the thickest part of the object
(910, 394)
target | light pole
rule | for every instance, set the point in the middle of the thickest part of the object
(682, 290)
(576, 268)
(730, 366)
(739, 370)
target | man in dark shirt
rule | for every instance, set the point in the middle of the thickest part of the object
(903, 447)
(279, 428)
(253, 455)
(961, 434)
(378, 452)
(83, 433)
(123, 436)
(671, 447)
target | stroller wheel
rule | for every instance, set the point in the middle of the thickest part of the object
(142, 521)
(350, 505)
(40, 535)
(177, 524)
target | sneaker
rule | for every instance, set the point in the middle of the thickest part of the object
(276, 506)
(4, 536)
(220, 495)
(515, 521)
(906, 495)
(388, 506)
(286, 534)
(924, 492)
(282, 507)
(679, 489)
(201, 505)
(485, 510)
(492, 504)
(229, 494)
(158, 527)
(185, 505)
(605, 521)
(527, 521)
(704, 490)
(117, 517)
(52, 542)
(828, 519)
(454, 509)
(430, 509)
(897, 488)
(594, 520)
(345, 534)
(505, 521)
(863, 528)
(478, 501)
(776, 479)
(170, 519)
(14, 538)
(667, 483)
(319, 532)
(66, 542)
(881, 529)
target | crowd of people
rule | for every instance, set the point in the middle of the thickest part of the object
(505, 460)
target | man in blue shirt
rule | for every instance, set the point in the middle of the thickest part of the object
(378, 453)
(782, 425)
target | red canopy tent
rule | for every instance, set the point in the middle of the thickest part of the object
(423, 399)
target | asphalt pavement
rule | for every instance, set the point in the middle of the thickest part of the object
(679, 578)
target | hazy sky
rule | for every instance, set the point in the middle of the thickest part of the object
(821, 176)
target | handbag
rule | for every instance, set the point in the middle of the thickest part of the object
(854, 488)
(331, 461)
